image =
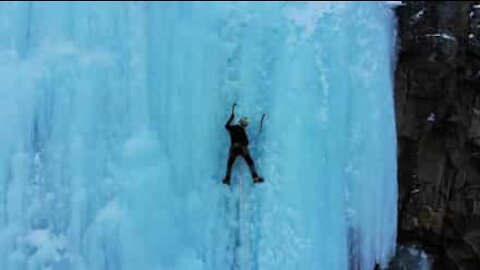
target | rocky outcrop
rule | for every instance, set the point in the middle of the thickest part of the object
(437, 97)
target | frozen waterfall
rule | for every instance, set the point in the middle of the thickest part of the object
(112, 145)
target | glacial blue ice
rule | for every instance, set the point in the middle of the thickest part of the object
(112, 147)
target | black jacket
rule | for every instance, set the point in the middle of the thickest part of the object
(237, 132)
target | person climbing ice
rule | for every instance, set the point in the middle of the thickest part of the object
(239, 146)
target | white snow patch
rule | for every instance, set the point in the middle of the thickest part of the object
(423, 255)
(442, 35)
(431, 117)
(413, 251)
(418, 15)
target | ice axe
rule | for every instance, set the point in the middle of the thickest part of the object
(261, 123)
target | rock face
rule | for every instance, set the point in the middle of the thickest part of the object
(438, 124)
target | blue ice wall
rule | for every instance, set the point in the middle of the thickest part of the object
(112, 145)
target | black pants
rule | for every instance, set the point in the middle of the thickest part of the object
(239, 150)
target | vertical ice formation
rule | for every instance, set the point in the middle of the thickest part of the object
(112, 144)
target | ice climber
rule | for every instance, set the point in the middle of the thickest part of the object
(239, 146)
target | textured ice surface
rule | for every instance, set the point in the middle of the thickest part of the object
(112, 145)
